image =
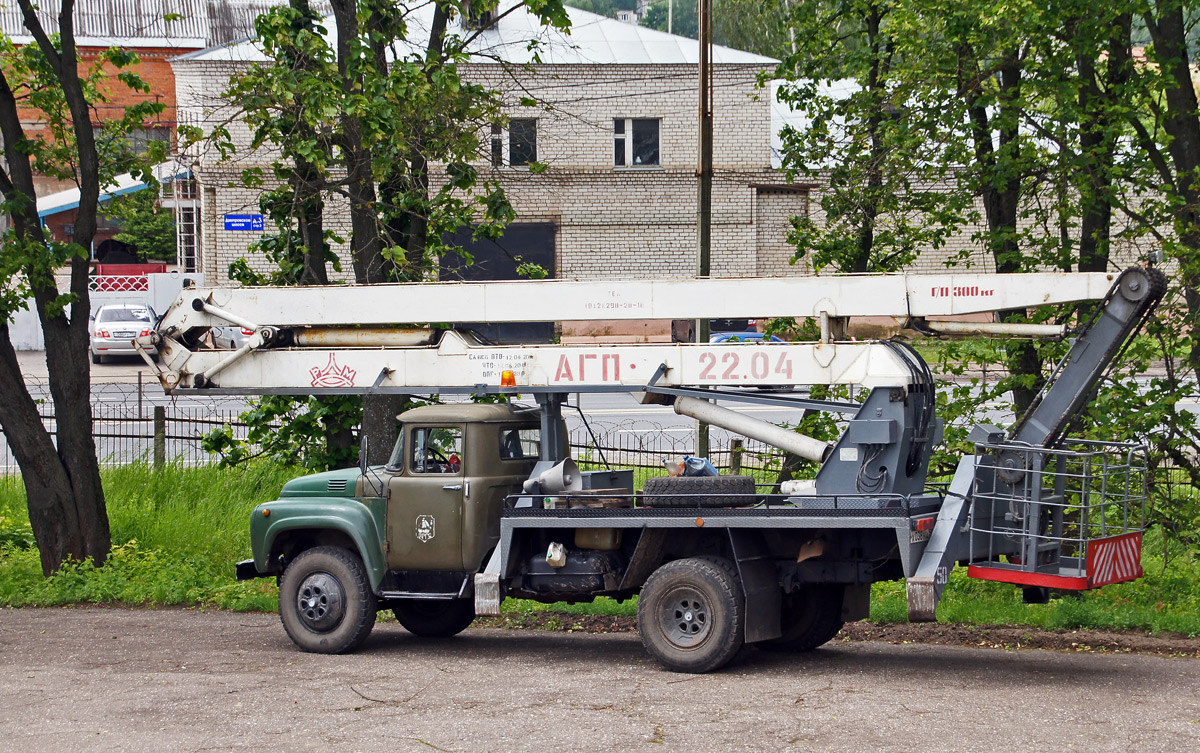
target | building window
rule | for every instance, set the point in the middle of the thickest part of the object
(136, 140)
(520, 148)
(635, 141)
(187, 228)
(497, 146)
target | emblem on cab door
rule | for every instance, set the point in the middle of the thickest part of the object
(425, 527)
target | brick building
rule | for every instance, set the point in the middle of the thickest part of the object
(617, 127)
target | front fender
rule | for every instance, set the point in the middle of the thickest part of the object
(360, 520)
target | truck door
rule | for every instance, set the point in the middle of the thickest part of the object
(424, 525)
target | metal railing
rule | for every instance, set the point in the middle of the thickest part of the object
(1041, 509)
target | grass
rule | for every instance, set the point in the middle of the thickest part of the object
(177, 533)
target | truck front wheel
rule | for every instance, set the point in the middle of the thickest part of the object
(326, 602)
(431, 618)
(690, 614)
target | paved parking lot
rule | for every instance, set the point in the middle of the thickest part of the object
(181, 680)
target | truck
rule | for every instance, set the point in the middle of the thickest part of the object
(480, 502)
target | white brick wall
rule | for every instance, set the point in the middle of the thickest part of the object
(612, 222)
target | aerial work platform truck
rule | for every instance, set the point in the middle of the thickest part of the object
(481, 502)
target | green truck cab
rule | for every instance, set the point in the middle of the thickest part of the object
(408, 536)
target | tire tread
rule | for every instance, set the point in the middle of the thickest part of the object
(362, 620)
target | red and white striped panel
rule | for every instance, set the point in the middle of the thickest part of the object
(1114, 559)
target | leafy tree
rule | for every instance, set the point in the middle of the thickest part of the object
(683, 15)
(875, 146)
(604, 7)
(61, 476)
(145, 224)
(359, 112)
(758, 26)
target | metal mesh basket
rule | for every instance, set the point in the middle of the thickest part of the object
(1070, 517)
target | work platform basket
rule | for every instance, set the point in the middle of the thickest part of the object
(1068, 518)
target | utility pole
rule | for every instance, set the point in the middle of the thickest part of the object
(704, 174)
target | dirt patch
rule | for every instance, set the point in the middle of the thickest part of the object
(974, 636)
(1017, 636)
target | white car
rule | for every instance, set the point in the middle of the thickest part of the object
(115, 325)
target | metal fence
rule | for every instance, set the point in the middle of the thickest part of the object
(130, 428)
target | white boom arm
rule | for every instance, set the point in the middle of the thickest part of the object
(314, 340)
(457, 363)
(564, 300)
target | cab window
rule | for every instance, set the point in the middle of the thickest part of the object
(520, 444)
(437, 449)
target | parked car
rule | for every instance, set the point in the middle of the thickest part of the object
(743, 337)
(114, 326)
(229, 338)
(732, 325)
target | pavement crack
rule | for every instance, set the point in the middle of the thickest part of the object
(390, 701)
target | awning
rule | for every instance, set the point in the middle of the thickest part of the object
(122, 184)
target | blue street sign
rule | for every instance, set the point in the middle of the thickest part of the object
(252, 222)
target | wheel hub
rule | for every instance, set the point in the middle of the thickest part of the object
(685, 618)
(321, 602)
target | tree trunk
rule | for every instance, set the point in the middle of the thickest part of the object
(310, 221)
(1169, 31)
(380, 425)
(1001, 193)
(66, 500)
(418, 226)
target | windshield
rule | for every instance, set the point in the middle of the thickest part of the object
(396, 461)
(126, 315)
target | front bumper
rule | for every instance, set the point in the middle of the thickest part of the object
(247, 571)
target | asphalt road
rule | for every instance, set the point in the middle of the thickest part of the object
(141, 680)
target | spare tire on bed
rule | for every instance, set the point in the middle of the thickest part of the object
(698, 491)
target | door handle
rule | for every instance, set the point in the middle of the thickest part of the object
(453, 488)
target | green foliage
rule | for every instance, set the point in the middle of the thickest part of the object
(604, 7)
(177, 534)
(871, 138)
(145, 224)
(324, 103)
(30, 261)
(757, 26)
(293, 431)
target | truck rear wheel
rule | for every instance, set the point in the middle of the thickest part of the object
(325, 600)
(434, 618)
(690, 614)
(811, 617)
(699, 491)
